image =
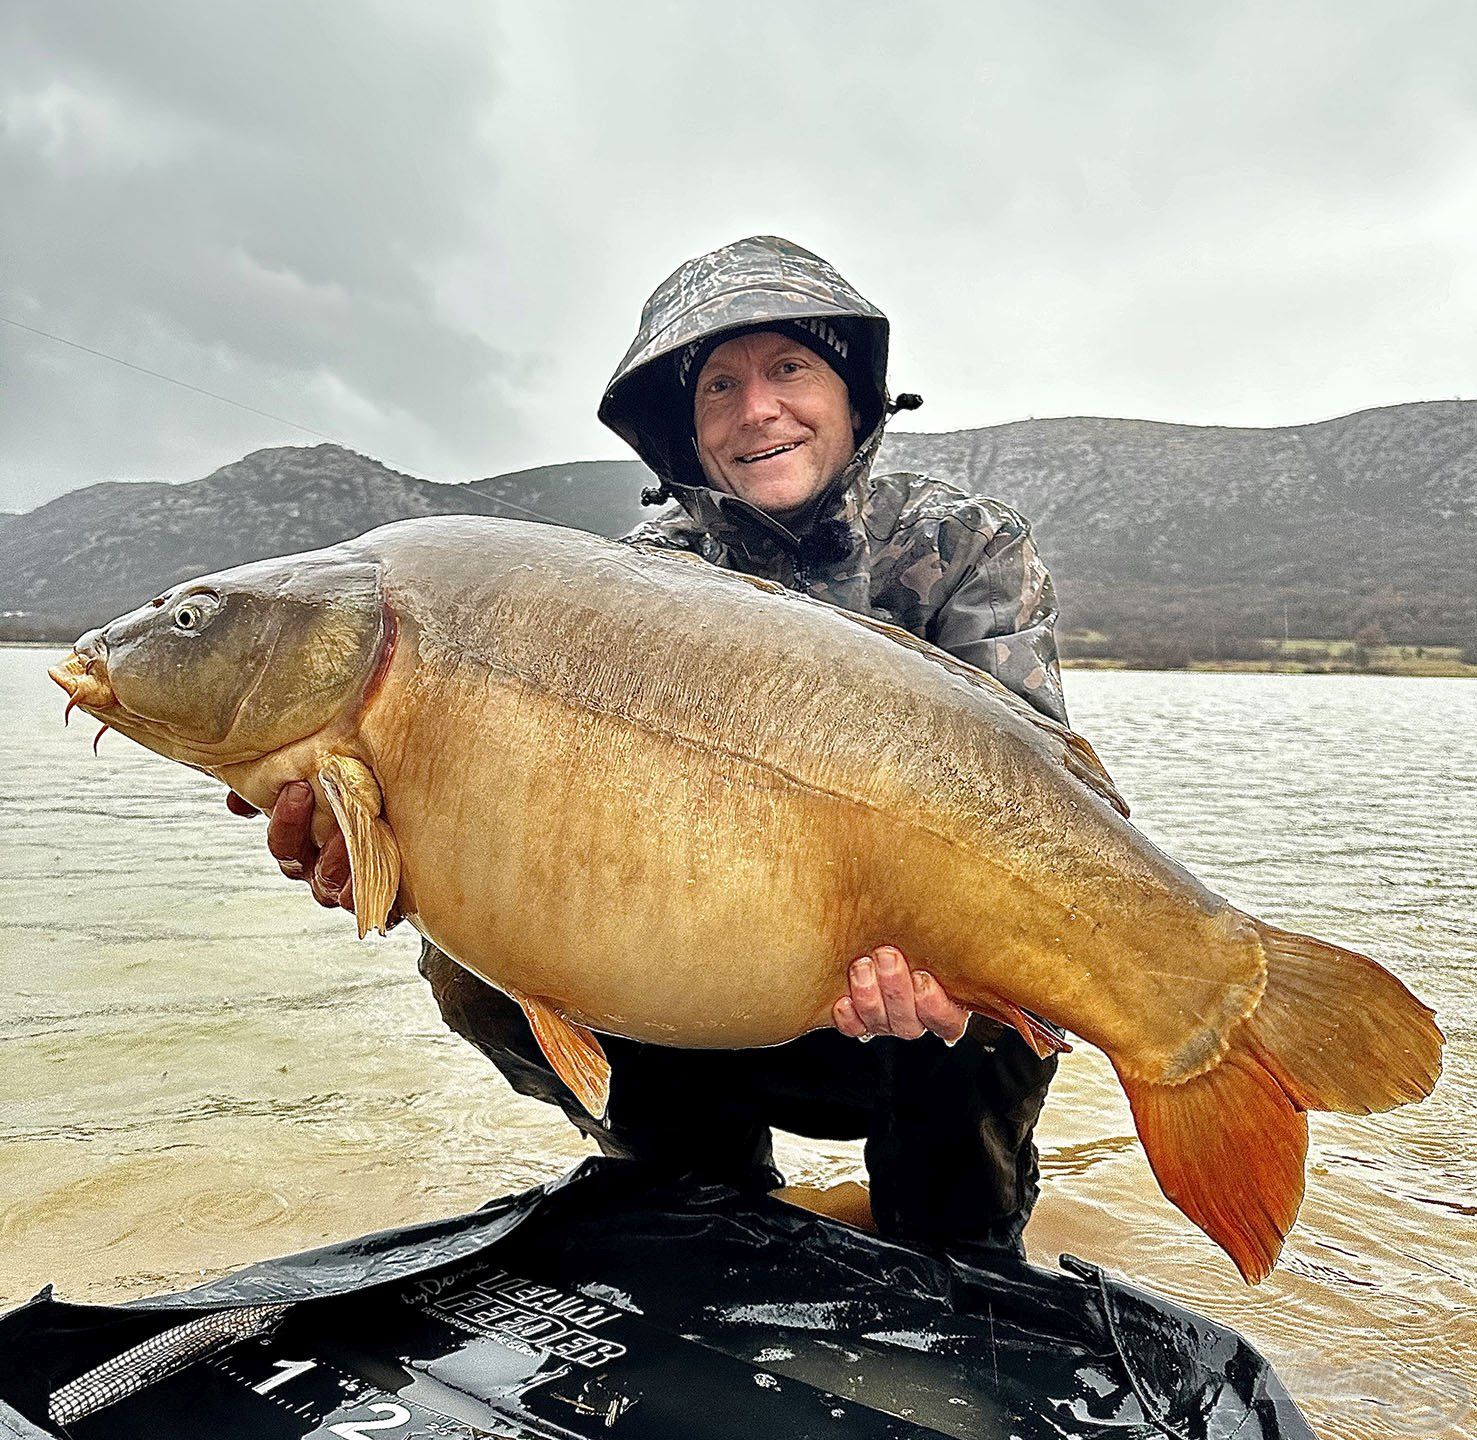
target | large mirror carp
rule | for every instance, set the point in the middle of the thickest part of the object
(646, 796)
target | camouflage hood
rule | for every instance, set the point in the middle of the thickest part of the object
(758, 281)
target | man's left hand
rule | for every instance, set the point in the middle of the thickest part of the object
(886, 996)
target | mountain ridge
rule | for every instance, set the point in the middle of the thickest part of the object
(1151, 528)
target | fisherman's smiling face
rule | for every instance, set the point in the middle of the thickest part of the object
(773, 421)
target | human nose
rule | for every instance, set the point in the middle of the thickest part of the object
(760, 402)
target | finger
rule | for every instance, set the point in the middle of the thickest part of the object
(330, 874)
(325, 894)
(290, 830)
(945, 1017)
(846, 1020)
(896, 984)
(866, 997)
(239, 805)
(333, 862)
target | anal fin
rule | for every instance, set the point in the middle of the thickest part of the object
(374, 857)
(1042, 1038)
(572, 1050)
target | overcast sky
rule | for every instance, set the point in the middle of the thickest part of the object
(426, 230)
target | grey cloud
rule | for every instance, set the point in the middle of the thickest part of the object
(428, 230)
(246, 200)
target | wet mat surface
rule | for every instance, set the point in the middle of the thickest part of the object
(602, 1305)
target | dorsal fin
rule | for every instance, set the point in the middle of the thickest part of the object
(1073, 750)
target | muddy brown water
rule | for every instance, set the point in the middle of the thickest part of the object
(199, 1069)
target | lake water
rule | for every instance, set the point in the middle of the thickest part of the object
(200, 1068)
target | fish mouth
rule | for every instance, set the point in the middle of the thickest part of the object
(85, 679)
(83, 674)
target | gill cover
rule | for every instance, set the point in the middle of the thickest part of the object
(251, 659)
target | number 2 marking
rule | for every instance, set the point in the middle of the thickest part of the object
(290, 1369)
(358, 1429)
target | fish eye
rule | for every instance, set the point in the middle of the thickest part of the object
(193, 613)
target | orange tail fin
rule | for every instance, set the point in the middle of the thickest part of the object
(1333, 1031)
(1339, 1031)
(1228, 1148)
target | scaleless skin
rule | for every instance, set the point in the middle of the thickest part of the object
(657, 799)
(885, 995)
(762, 787)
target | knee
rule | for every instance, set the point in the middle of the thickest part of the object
(468, 1005)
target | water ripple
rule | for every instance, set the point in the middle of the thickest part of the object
(184, 1035)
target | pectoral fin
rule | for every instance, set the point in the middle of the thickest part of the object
(573, 1051)
(374, 858)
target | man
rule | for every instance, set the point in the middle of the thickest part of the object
(756, 391)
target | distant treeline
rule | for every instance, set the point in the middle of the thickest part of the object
(1233, 622)
(1169, 544)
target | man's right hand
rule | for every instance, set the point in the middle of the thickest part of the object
(290, 839)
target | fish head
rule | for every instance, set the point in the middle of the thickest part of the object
(230, 667)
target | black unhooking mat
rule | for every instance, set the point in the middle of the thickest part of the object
(606, 1304)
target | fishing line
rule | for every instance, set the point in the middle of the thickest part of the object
(169, 379)
(250, 409)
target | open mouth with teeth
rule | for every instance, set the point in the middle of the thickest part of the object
(769, 454)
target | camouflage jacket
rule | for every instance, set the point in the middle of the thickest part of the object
(956, 570)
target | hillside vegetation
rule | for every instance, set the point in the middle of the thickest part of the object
(1170, 544)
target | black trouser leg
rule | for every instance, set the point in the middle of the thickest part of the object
(676, 1110)
(948, 1131)
(950, 1154)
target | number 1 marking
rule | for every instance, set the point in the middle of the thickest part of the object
(290, 1370)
